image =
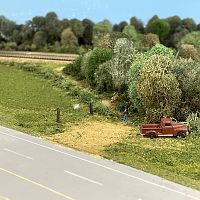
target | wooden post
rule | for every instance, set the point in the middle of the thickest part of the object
(91, 108)
(58, 115)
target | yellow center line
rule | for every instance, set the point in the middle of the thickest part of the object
(3, 198)
(37, 184)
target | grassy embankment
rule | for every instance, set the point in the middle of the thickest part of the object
(28, 103)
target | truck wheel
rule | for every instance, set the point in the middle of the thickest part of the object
(182, 135)
(152, 135)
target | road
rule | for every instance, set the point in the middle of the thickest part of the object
(31, 169)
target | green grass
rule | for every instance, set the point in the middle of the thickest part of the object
(171, 158)
(28, 103)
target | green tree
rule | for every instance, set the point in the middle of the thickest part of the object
(192, 38)
(131, 32)
(189, 24)
(68, 39)
(104, 26)
(91, 62)
(40, 39)
(159, 27)
(158, 88)
(124, 54)
(138, 24)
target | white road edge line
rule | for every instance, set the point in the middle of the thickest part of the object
(18, 154)
(105, 167)
(84, 178)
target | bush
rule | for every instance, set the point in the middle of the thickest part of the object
(188, 51)
(124, 54)
(108, 40)
(91, 62)
(103, 77)
(187, 73)
(193, 122)
(74, 68)
(158, 88)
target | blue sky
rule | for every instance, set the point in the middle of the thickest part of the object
(97, 10)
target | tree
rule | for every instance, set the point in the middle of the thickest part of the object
(68, 39)
(189, 24)
(188, 51)
(124, 54)
(88, 34)
(104, 26)
(131, 32)
(77, 27)
(38, 23)
(137, 66)
(150, 40)
(158, 88)
(138, 24)
(149, 22)
(187, 73)
(91, 62)
(40, 39)
(159, 27)
(52, 27)
(6, 28)
(108, 40)
(192, 38)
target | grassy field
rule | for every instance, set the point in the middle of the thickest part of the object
(28, 104)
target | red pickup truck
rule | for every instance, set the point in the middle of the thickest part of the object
(166, 128)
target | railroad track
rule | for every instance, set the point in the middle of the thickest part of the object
(38, 55)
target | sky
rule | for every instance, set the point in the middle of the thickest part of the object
(116, 11)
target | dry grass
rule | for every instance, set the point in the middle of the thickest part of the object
(92, 136)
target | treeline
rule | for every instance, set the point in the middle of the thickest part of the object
(154, 83)
(49, 33)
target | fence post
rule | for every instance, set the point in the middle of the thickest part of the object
(91, 108)
(58, 115)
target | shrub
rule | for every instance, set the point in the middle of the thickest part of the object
(91, 62)
(103, 77)
(188, 51)
(187, 73)
(158, 88)
(108, 40)
(193, 122)
(74, 68)
(124, 54)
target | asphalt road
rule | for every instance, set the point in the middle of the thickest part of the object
(33, 169)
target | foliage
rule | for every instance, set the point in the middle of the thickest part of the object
(74, 68)
(68, 39)
(104, 26)
(124, 54)
(193, 122)
(188, 51)
(40, 39)
(192, 38)
(187, 73)
(108, 40)
(91, 62)
(158, 88)
(131, 32)
(159, 27)
(103, 77)
(149, 41)
(138, 24)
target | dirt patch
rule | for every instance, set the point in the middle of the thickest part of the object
(93, 136)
